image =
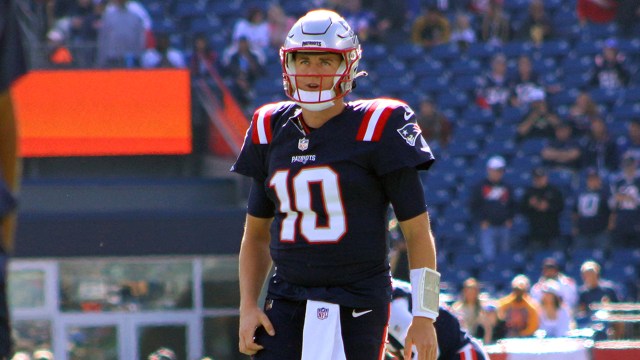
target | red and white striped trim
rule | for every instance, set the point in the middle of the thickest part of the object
(468, 353)
(261, 124)
(375, 119)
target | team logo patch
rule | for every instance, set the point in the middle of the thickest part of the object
(410, 133)
(323, 313)
(303, 144)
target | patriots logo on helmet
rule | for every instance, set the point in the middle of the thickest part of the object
(410, 133)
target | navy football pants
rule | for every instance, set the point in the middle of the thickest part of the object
(364, 336)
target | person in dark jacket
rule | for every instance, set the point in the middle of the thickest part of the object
(542, 204)
(493, 207)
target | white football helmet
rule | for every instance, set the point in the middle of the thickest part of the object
(321, 31)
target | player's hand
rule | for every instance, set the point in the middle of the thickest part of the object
(250, 320)
(422, 334)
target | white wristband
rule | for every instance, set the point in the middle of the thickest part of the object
(425, 292)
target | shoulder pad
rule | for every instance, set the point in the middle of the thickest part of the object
(376, 114)
(262, 119)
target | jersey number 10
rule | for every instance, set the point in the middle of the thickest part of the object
(327, 179)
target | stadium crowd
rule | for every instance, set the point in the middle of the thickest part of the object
(532, 109)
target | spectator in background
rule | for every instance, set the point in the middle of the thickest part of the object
(496, 28)
(84, 22)
(493, 206)
(494, 87)
(435, 126)
(59, 54)
(631, 145)
(539, 122)
(138, 9)
(625, 205)
(599, 150)
(462, 32)
(593, 290)
(581, 113)
(121, 37)
(596, 11)
(627, 16)
(42, 354)
(542, 204)
(255, 29)
(555, 316)
(491, 327)
(609, 71)
(390, 24)
(467, 309)
(163, 55)
(537, 26)
(163, 353)
(431, 28)
(243, 65)
(591, 214)
(202, 57)
(524, 83)
(563, 152)
(362, 20)
(279, 25)
(518, 310)
(567, 287)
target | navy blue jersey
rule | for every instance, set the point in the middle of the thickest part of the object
(328, 237)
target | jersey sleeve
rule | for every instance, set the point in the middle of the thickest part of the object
(252, 160)
(399, 138)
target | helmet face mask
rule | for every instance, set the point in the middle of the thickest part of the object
(320, 31)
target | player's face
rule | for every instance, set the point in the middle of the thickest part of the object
(316, 71)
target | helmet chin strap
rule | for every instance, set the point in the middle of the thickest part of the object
(307, 97)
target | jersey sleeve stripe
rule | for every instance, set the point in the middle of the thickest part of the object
(375, 119)
(262, 124)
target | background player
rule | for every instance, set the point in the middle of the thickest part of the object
(453, 342)
(324, 174)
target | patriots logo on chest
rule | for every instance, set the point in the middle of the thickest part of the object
(410, 133)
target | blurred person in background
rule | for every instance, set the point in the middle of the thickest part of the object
(491, 327)
(537, 26)
(431, 28)
(202, 57)
(625, 205)
(567, 287)
(468, 308)
(540, 121)
(163, 55)
(279, 25)
(630, 146)
(121, 37)
(555, 316)
(609, 71)
(593, 290)
(518, 310)
(495, 27)
(243, 65)
(542, 204)
(493, 207)
(435, 126)
(591, 214)
(254, 28)
(494, 92)
(599, 149)
(581, 113)
(462, 33)
(563, 152)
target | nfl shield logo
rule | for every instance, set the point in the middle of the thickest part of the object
(303, 144)
(323, 313)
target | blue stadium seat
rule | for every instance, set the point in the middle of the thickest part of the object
(374, 52)
(631, 95)
(553, 49)
(433, 85)
(625, 112)
(467, 261)
(514, 49)
(408, 52)
(466, 148)
(576, 81)
(512, 115)
(452, 100)
(532, 146)
(469, 132)
(426, 68)
(465, 67)
(391, 85)
(502, 132)
(503, 147)
(204, 24)
(466, 83)
(481, 51)
(606, 96)
(580, 255)
(444, 52)
(476, 115)
(576, 64)
(563, 98)
(225, 9)
(586, 48)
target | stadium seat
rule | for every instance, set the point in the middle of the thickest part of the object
(465, 67)
(466, 83)
(512, 115)
(408, 52)
(426, 68)
(587, 48)
(625, 112)
(466, 148)
(481, 51)
(606, 96)
(452, 100)
(514, 49)
(631, 95)
(476, 115)
(444, 52)
(503, 147)
(532, 146)
(433, 85)
(374, 52)
(225, 9)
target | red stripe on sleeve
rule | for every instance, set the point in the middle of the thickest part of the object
(377, 133)
(267, 123)
(365, 121)
(254, 128)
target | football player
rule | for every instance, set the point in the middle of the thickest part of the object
(454, 343)
(324, 173)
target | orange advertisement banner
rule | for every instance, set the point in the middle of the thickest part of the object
(103, 112)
